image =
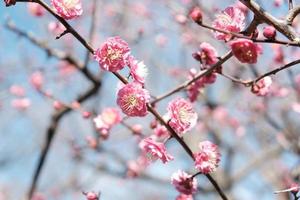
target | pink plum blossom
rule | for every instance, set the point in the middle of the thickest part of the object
(155, 150)
(133, 99)
(111, 116)
(208, 158)
(182, 115)
(184, 183)
(21, 104)
(135, 167)
(138, 70)
(269, 32)
(262, 87)
(161, 131)
(67, 9)
(194, 89)
(36, 9)
(37, 79)
(196, 14)
(17, 90)
(207, 55)
(245, 50)
(113, 55)
(231, 19)
(91, 196)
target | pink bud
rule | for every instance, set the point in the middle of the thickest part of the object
(137, 129)
(57, 105)
(269, 32)
(86, 114)
(196, 14)
(91, 196)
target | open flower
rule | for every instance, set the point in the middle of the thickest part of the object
(113, 55)
(67, 9)
(245, 50)
(207, 55)
(138, 70)
(262, 87)
(182, 115)
(208, 158)
(155, 150)
(184, 182)
(133, 99)
(231, 19)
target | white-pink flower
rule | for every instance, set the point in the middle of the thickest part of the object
(155, 150)
(138, 70)
(111, 116)
(133, 99)
(184, 183)
(182, 115)
(231, 19)
(208, 158)
(113, 55)
(21, 104)
(262, 87)
(67, 9)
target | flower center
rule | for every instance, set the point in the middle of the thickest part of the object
(113, 54)
(131, 102)
(184, 115)
(70, 3)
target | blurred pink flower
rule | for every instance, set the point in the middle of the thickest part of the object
(231, 19)
(21, 104)
(182, 115)
(113, 54)
(155, 150)
(245, 50)
(184, 183)
(133, 99)
(196, 14)
(67, 9)
(262, 87)
(135, 167)
(91, 196)
(161, 131)
(208, 158)
(36, 79)
(36, 9)
(17, 90)
(56, 28)
(111, 116)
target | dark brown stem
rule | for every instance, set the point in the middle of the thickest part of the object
(262, 15)
(292, 14)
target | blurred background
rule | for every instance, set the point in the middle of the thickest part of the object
(258, 136)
